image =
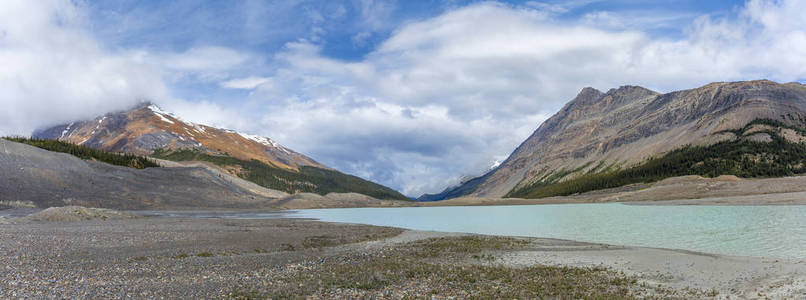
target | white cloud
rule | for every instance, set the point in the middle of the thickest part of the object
(635, 19)
(559, 8)
(250, 82)
(204, 64)
(200, 59)
(54, 71)
(448, 96)
(375, 13)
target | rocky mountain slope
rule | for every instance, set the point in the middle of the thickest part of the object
(146, 128)
(43, 178)
(600, 132)
(34, 177)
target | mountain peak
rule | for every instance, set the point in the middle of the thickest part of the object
(142, 104)
(631, 89)
(597, 132)
(587, 95)
(147, 128)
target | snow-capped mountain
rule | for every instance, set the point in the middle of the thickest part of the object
(147, 127)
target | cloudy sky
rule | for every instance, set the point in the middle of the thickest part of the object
(412, 94)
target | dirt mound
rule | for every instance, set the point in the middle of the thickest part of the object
(680, 180)
(333, 200)
(728, 178)
(76, 213)
(346, 197)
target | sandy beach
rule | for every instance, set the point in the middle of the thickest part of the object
(155, 257)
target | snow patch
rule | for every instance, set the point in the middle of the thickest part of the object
(163, 114)
(101, 121)
(263, 140)
(66, 130)
(495, 165)
(160, 113)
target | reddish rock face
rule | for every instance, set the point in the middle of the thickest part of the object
(146, 128)
(627, 125)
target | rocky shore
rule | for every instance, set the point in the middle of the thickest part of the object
(165, 257)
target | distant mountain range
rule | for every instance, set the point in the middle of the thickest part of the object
(633, 134)
(150, 131)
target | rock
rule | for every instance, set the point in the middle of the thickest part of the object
(33, 176)
(75, 213)
(627, 125)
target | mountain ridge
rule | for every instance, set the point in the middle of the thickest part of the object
(598, 131)
(45, 178)
(146, 127)
(147, 130)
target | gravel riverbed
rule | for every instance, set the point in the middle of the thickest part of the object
(209, 258)
(157, 257)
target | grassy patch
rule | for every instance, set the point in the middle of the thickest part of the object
(442, 274)
(464, 245)
(322, 241)
(205, 254)
(184, 255)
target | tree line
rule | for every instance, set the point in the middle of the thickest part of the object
(306, 179)
(87, 153)
(739, 157)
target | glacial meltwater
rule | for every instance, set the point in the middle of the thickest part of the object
(766, 231)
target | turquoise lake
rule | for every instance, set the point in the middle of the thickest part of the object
(765, 231)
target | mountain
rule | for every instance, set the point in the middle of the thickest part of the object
(48, 173)
(37, 177)
(632, 134)
(148, 130)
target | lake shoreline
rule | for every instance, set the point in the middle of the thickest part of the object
(187, 257)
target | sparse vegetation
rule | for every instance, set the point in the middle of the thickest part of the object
(455, 267)
(464, 245)
(87, 153)
(205, 254)
(307, 179)
(739, 157)
(17, 204)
